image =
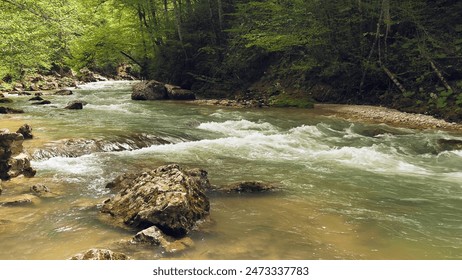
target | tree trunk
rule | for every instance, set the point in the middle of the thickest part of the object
(393, 78)
(167, 19)
(220, 14)
(177, 11)
(376, 40)
(440, 76)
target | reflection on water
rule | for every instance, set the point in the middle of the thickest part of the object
(349, 191)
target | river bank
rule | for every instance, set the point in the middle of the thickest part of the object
(354, 113)
(378, 114)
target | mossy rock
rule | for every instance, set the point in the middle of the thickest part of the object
(284, 100)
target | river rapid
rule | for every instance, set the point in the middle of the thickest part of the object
(346, 190)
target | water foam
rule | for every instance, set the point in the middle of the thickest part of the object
(303, 145)
(239, 128)
(111, 107)
(84, 165)
(107, 85)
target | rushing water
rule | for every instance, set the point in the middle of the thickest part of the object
(348, 190)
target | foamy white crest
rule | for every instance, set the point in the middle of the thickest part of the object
(369, 158)
(87, 164)
(306, 130)
(239, 128)
(111, 107)
(107, 85)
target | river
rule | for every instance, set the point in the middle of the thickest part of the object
(346, 190)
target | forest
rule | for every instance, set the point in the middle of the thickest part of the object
(400, 54)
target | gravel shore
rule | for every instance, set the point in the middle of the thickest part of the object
(388, 116)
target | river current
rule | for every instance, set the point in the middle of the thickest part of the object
(346, 190)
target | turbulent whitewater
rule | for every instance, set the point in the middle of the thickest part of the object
(348, 190)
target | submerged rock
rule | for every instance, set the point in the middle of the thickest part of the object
(168, 197)
(155, 236)
(246, 187)
(41, 190)
(19, 200)
(100, 254)
(36, 98)
(26, 131)
(149, 90)
(75, 105)
(5, 100)
(449, 144)
(43, 102)
(64, 92)
(8, 110)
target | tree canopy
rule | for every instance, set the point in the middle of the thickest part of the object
(365, 51)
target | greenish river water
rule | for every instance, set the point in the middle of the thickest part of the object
(348, 190)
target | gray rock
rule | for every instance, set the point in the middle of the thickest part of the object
(26, 131)
(43, 102)
(178, 93)
(36, 98)
(64, 92)
(100, 254)
(246, 187)
(40, 190)
(155, 236)
(149, 90)
(168, 197)
(75, 105)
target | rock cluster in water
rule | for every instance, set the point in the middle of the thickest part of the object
(168, 197)
(154, 90)
(14, 161)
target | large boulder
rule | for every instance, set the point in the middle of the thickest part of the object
(13, 160)
(100, 254)
(149, 90)
(178, 93)
(168, 197)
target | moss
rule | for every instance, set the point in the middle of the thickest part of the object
(284, 100)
